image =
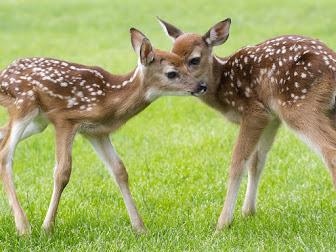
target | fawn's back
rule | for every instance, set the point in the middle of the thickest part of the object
(55, 84)
(279, 72)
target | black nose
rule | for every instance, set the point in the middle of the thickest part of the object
(201, 89)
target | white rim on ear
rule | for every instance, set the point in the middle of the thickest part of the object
(175, 31)
(166, 30)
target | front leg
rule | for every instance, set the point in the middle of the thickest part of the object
(256, 165)
(250, 132)
(109, 156)
(65, 134)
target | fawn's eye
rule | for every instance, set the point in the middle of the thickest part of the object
(172, 75)
(194, 61)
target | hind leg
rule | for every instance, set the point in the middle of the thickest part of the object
(38, 125)
(319, 133)
(326, 147)
(323, 140)
(7, 149)
(3, 132)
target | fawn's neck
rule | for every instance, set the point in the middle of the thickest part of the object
(127, 94)
(214, 80)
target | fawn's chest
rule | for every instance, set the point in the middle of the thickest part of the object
(232, 116)
(225, 107)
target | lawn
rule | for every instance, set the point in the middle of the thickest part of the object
(177, 151)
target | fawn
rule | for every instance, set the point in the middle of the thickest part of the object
(288, 79)
(88, 100)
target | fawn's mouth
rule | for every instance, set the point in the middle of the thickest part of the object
(198, 93)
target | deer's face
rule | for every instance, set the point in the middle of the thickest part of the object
(164, 73)
(168, 75)
(195, 53)
(196, 50)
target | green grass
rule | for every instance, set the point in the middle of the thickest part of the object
(177, 151)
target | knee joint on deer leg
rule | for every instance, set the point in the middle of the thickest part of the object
(120, 172)
(62, 177)
(3, 161)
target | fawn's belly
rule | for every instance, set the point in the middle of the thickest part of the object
(92, 128)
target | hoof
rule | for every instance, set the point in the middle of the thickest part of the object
(247, 212)
(223, 224)
(48, 229)
(139, 229)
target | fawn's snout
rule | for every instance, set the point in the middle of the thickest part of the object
(200, 89)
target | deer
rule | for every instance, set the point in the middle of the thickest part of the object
(88, 100)
(288, 79)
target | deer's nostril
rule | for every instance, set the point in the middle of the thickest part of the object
(202, 86)
(200, 89)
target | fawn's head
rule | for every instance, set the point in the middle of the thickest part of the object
(164, 73)
(196, 50)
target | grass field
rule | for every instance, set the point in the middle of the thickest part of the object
(177, 151)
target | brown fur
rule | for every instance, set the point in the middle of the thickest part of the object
(89, 100)
(287, 78)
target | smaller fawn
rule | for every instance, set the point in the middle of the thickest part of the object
(290, 79)
(88, 100)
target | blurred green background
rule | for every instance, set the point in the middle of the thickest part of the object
(177, 151)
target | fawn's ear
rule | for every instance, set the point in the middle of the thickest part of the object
(142, 46)
(170, 30)
(218, 34)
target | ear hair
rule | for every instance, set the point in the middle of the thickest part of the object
(136, 39)
(142, 46)
(146, 52)
(218, 34)
(170, 30)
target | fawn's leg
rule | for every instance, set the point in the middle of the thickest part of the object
(65, 134)
(256, 165)
(109, 156)
(7, 149)
(329, 156)
(34, 127)
(320, 135)
(3, 132)
(250, 131)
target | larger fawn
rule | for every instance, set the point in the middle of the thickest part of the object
(89, 100)
(288, 79)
